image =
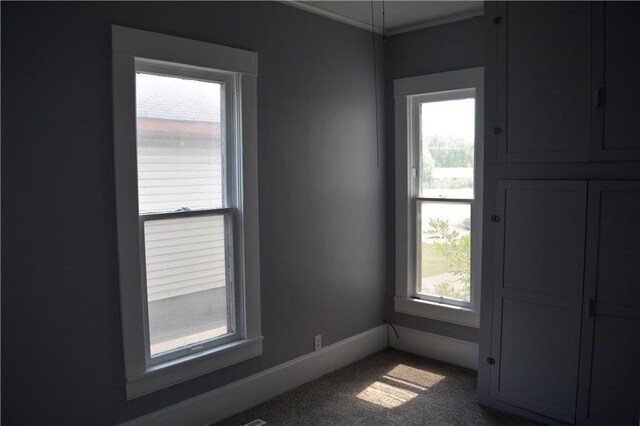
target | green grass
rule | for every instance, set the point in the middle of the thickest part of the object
(433, 262)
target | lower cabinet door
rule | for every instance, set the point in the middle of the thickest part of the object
(540, 245)
(609, 384)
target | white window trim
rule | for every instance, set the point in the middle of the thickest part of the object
(405, 91)
(128, 45)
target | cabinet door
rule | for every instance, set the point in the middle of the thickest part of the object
(616, 76)
(609, 389)
(538, 295)
(544, 81)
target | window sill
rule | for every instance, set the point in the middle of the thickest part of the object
(438, 311)
(179, 370)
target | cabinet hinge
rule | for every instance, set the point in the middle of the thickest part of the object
(497, 131)
(491, 361)
(497, 20)
(495, 218)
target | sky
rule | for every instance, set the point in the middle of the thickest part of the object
(453, 118)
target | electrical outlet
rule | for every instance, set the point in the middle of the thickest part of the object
(318, 342)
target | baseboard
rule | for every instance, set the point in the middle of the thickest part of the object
(253, 390)
(446, 349)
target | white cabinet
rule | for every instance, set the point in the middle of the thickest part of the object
(539, 250)
(616, 82)
(609, 390)
(560, 323)
(566, 300)
(543, 81)
(567, 81)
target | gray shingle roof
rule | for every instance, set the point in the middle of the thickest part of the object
(172, 98)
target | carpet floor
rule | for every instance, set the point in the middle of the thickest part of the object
(387, 388)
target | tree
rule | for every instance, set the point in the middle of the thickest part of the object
(449, 151)
(456, 249)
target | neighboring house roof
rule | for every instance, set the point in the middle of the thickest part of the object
(177, 99)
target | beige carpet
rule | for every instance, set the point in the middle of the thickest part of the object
(388, 388)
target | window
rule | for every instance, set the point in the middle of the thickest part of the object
(186, 186)
(439, 188)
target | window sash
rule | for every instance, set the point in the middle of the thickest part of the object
(418, 261)
(416, 133)
(233, 316)
(228, 114)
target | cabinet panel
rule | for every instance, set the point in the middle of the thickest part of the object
(543, 220)
(535, 353)
(619, 248)
(614, 393)
(539, 267)
(544, 52)
(616, 64)
(609, 388)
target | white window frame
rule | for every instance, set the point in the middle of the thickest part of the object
(150, 52)
(409, 93)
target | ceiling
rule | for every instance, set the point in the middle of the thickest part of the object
(399, 16)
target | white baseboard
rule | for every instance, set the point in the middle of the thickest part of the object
(446, 349)
(253, 390)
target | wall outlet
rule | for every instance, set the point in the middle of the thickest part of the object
(317, 341)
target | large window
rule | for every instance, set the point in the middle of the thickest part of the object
(184, 127)
(439, 121)
(185, 203)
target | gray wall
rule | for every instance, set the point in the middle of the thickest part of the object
(322, 197)
(443, 48)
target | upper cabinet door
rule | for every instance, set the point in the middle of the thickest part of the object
(544, 81)
(616, 81)
(609, 385)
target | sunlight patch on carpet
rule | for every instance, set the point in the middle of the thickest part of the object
(415, 376)
(386, 395)
(404, 383)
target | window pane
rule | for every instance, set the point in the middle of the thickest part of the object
(445, 250)
(179, 150)
(447, 130)
(186, 281)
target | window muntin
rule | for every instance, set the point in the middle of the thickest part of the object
(185, 195)
(444, 144)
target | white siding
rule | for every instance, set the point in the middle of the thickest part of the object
(173, 177)
(184, 255)
(180, 167)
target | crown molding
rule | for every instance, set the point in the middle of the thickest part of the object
(435, 22)
(378, 30)
(331, 15)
